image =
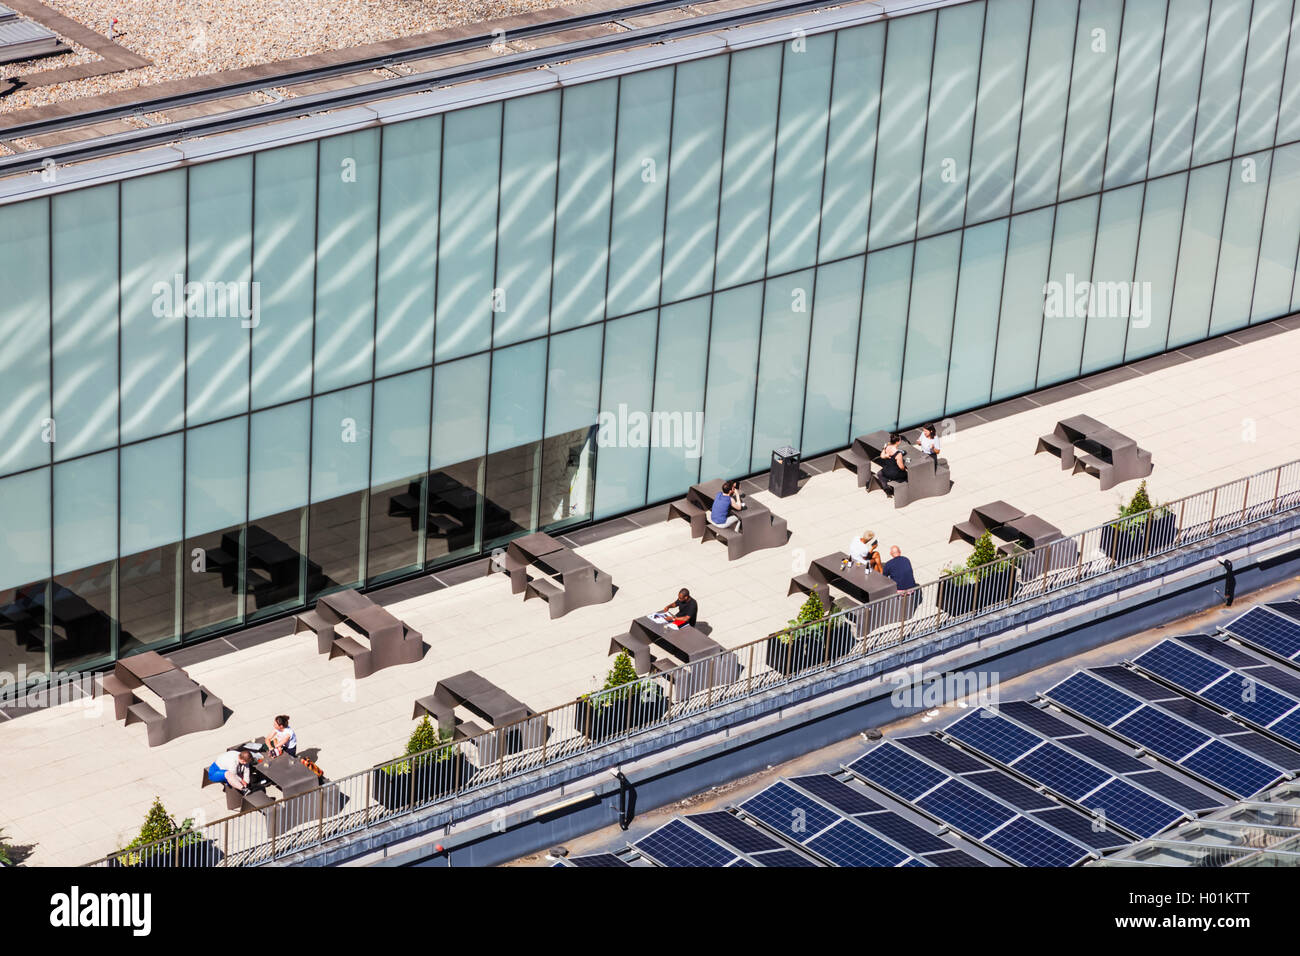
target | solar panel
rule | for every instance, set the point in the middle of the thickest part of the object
(1288, 726)
(1198, 715)
(1266, 749)
(1161, 734)
(1086, 695)
(1035, 718)
(1135, 684)
(1290, 608)
(1250, 699)
(597, 860)
(897, 772)
(837, 793)
(739, 861)
(1089, 831)
(966, 808)
(1217, 649)
(1181, 666)
(1011, 790)
(1029, 844)
(1238, 773)
(1284, 681)
(1112, 758)
(1134, 810)
(676, 844)
(1067, 774)
(846, 844)
(789, 812)
(1175, 790)
(945, 755)
(903, 832)
(993, 735)
(783, 858)
(734, 831)
(954, 858)
(1268, 630)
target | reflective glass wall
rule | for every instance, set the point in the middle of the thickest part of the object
(227, 389)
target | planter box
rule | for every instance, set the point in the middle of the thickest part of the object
(1128, 544)
(808, 649)
(956, 596)
(202, 853)
(433, 779)
(601, 720)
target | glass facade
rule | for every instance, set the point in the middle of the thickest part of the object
(229, 388)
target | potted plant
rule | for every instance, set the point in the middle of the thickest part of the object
(983, 581)
(161, 842)
(433, 766)
(804, 642)
(623, 703)
(1143, 527)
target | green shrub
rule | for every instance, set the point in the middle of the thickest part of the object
(1140, 507)
(425, 737)
(619, 683)
(5, 858)
(983, 560)
(159, 825)
(807, 621)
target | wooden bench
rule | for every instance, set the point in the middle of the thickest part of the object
(692, 513)
(155, 723)
(1056, 445)
(354, 651)
(323, 629)
(123, 696)
(857, 458)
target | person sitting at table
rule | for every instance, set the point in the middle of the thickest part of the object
(283, 739)
(876, 564)
(861, 549)
(726, 505)
(899, 569)
(232, 768)
(893, 466)
(930, 439)
(684, 609)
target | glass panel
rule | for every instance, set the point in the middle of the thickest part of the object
(952, 117)
(906, 91)
(582, 212)
(284, 268)
(408, 244)
(149, 573)
(460, 402)
(471, 163)
(85, 546)
(1020, 324)
(1096, 45)
(729, 399)
(24, 571)
(1242, 221)
(1262, 84)
(997, 115)
(698, 112)
(680, 360)
(514, 441)
(782, 362)
(640, 190)
(1047, 85)
(348, 213)
(1153, 276)
(340, 459)
(1225, 55)
(1068, 291)
(881, 338)
(1180, 74)
(1277, 247)
(569, 450)
(747, 166)
(216, 459)
(399, 460)
(831, 356)
(529, 155)
(277, 509)
(851, 143)
(627, 428)
(218, 316)
(975, 323)
(1288, 123)
(1133, 113)
(929, 328)
(1112, 279)
(1198, 252)
(800, 152)
(84, 283)
(153, 329)
(25, 329)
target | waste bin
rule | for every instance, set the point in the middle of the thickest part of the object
(783, 480)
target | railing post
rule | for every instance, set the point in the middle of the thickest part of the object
(320, 814)
(749, 674)
(1146, 534)
(1214, 508)
(1182, 513)
(225, 839)
(713, 678)
(1277, 487)
(411, 789)
(1245, 499)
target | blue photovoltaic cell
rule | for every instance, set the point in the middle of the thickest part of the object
(1086, 695)
(903, 832)
(1290, 608)
(1135, 684)
(1161, 734)
(1131, 808)
(1035, 718)
(966, 809)
(1288, 727)
(1060, 770)
(953, 858)
(676, 844)
(897, 771)
(782, 858)
(1189, 798)
(788, 811)
(1238, 773)
(1217, 649)
(738, 833)
(913, 861)
(1010, 790)
(1267, 749)
(1180, 666)
(846, 844)
(1110, 757)
(597, 859)
(837, 793)
(945, 755)
(1030, 844)
(1284, 681)
(1198, 715)
(993, 735)
(1255, 702)
(739, 862)
(1082, 829)
(1263, 628)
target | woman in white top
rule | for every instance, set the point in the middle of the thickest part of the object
(283, 739)
(929, 440)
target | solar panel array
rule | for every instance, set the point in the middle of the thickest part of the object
(1268, 630)
(1154, 728)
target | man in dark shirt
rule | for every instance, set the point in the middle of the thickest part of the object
(685, 607)
(900, 569)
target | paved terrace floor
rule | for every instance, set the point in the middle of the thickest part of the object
(76, 784)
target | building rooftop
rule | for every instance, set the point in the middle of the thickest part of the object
(75, 783)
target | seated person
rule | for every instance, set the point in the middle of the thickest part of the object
(726, 504)
(876, 565)
(861, 550)
(900, 569)
(893, 465)
(684, 609)
(232, 768)
(930, 440)
(283, 739)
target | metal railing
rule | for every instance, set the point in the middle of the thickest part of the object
(406, 784)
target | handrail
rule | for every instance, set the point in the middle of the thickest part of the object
(408, 783)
